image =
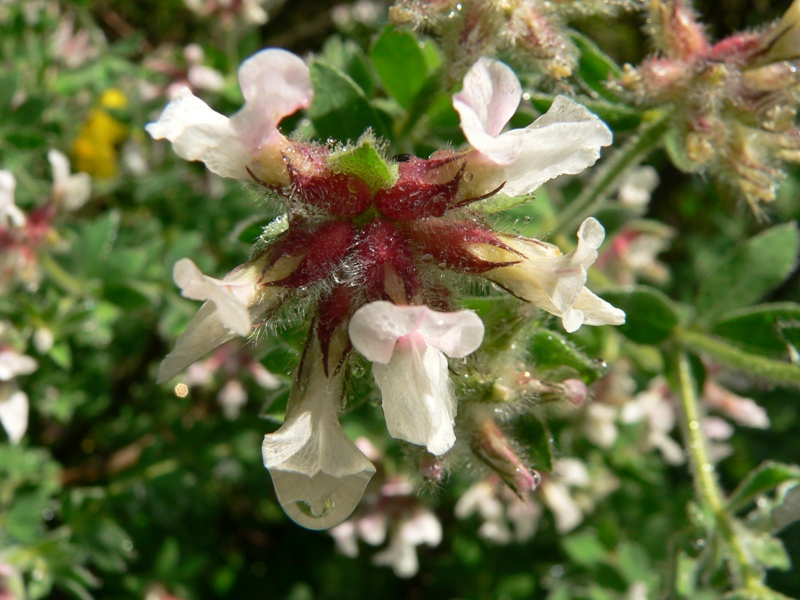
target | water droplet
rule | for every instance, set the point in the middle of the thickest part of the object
(526, 219)
(556, 571)
(699, 543)
(47, 514)
(325, 509)
(357, 371)
(537, 478)
(468, 176)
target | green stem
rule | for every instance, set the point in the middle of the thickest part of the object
(705, 479)
(607, 178)
(776, 371)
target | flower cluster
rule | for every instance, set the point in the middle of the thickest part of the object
(366, 243)
(23, 235)
(734, 101)
(534, 31)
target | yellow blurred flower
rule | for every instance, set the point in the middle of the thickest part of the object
(95, 150)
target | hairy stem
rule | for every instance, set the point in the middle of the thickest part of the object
(784, 373)
(743, 570)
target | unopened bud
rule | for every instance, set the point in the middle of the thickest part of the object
(494, 448)
(682, 37)
(431, 468)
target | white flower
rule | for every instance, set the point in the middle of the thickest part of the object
(13, 401)
(233, 305)
(318, 473)
(421, 528)
(13, 411)
(540, 274)
(407, 346)
(637, 186)
(70, 191)
(658, 413)
(744, 411)
(10, 214)
(567, 473)
(275, 84)
(565, 140)
(600, 427)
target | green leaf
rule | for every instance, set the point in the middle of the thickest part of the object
(584, 548)
(788, 510)
(770, 552)
(348, 57)
(340, 109)
(764, 478)
(595, 67)
(531, 430)
(650, 317)
(401, 63)
(764, 329)
(553, 352)
(749, 272)
(365, 162)
(8, 87)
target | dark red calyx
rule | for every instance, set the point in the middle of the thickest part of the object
(386, 268)
(333, 315)
(425, 188)
(448, 244)
(314, 184)
(319, 249)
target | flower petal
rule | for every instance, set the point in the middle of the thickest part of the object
(13, 411)
(564, 141)
(71, 191)
(418, 404)
(199, 133)
(275, 84)
(12, 364)
(318, 473)
(554, 282)
(204, 333)
(489, 99)
(10, 214)
(376, 327)
(232, 308)
(457, 334)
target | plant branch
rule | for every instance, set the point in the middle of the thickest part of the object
(743, 570)
(776, 371)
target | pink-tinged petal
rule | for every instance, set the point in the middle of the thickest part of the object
(199, 133)
(275, 84)
(489, 99)
(375, 328)
(318, 473)
(418, 404)
(13, 412)
(456, 334)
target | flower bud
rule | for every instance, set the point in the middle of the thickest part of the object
(494, 448)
